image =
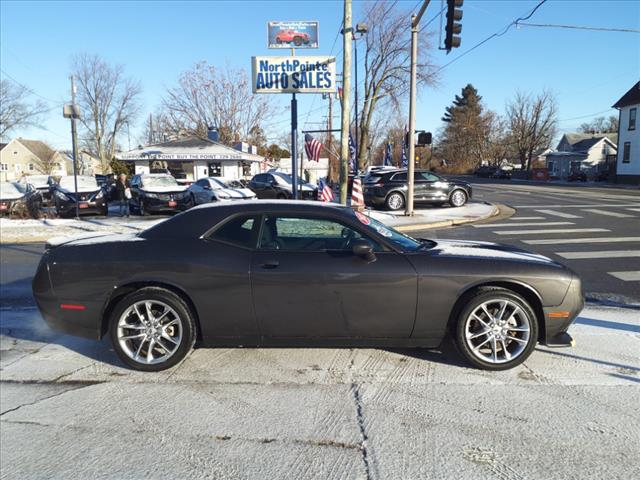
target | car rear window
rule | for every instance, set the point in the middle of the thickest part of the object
(240, 231)
(373, 179)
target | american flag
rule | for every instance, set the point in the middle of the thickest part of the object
(352, 154)
(405, 163)
(388, 157)
(326, 194)
(312, 147)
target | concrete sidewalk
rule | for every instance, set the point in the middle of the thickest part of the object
(29, 231)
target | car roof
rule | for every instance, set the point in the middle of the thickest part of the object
(155, 175)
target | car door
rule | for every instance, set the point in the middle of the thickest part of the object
(430, 183)
(421, 190)
(307, 283)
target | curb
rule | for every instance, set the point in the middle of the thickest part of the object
(497, 210)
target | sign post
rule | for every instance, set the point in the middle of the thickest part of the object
(294, 145)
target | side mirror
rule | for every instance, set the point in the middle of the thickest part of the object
(362, 248)
(207, 187)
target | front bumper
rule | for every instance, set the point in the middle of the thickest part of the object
(166, 204)
(85, 207)
(559, 318)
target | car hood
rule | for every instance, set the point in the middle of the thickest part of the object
(467, 249)
(170, 189)
(10, 197)
(81, 189)
(235, 192)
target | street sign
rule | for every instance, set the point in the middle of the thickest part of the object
(308, 74)
(293, 34)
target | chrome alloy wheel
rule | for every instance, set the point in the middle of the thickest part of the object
(395, 201)
(458, 198)
(149, 332)
(497, 331)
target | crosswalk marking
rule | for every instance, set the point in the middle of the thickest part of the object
(559, 241)
(524, 224)
(609, 214)
(558, 214)
(550, 230)
(515, 219)
(626, 276)
(599, 254)
(584, 205)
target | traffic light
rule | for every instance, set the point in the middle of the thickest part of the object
(453, 28)
(424, 138)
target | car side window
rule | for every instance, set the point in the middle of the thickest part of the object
(425, 177)
(307, 234)
(399, 177)
(239, 231)
(260, 178)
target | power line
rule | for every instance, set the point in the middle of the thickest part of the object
(57, 102)
(585, 116)
(579, 27)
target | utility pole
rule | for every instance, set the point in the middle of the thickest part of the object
(346, 94)
(330, 139)
(415, 20)
(74, 143)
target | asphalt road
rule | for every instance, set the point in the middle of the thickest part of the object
(594, 231)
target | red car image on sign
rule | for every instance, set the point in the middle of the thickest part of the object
(288, 36)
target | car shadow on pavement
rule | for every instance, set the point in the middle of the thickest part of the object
(446, 354)
(628, 368)
(608, 324)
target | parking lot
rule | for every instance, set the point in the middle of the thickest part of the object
(320, 413)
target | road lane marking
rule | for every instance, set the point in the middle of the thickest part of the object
(607, 213)
(550, 230)
(599, 254)
(559, 241)
(585, 205)
(515, 219)
(555, 213)
(524, 224)
(634, 209)
(626, 276)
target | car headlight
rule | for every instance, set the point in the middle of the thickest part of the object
(99, 195)
(61, 195)
(151, 195)
(223, 196)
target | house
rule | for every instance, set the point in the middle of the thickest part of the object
(30, 157)
(191, 158)
(87, 163)
(581, 151)
(312, 171)
(628, 158)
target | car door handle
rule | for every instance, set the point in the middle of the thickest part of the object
(270, 265)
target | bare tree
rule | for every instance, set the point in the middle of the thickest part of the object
(601, 125)
(532, 124)
(16, 111)
(108, 101)
(208, 96)
(387, 64)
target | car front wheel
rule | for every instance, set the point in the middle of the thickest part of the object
(458, 198)
(152, 329)
(395, 201)
(496, 329)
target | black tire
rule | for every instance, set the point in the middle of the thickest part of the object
(458, 198)
(475, 300)
(394, 201)
(104, 211)
(281, 196)
(188, 327)
(142, 210)
(297, 41)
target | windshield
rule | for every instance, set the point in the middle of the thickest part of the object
(221, 183)
(37, 180)
(282, 178)
(405, 242)
(8, 189)
(160, 181)
(84, 182)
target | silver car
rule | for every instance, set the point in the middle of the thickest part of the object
(216, 189)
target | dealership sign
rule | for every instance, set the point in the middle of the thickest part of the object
(308, 74)
(293, 34)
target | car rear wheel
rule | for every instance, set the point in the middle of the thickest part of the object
(395, 201)
(496, 329)
(458, 198)
(297, 41)
(152, 329)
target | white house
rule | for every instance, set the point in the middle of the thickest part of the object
(192, 158)
(581, 151)
(22, 157)
(628, 161)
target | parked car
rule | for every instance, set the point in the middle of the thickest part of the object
(20, 199)
(288, 36)
(278, 185)
(42, 183)
(269, 273)
(577, 176)
(158, 192)
(91, 197)
(389, 189)
(501, 173)
(486, 171)
(216, 189)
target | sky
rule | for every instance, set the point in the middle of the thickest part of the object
(588, 71)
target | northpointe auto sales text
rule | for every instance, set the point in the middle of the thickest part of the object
(299, 74)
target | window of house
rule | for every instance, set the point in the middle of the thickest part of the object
(626, 153)
(215, 169)
(551, 166)
(31, 167)
(18, 167)
(632, 118)
(15, 152)
(4, 167)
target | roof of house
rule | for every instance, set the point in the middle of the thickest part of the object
(188, 148)
(578, 138)
(632, 97)
(2, 145)
(38, 148)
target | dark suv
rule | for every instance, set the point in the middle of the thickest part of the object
(278, 185)
(389, 189)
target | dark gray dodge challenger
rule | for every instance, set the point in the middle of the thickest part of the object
(290, 273)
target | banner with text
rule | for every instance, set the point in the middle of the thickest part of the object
(293, 34)
(308, 74)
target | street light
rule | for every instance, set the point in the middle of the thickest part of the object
(362, 29)
(72, 111)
